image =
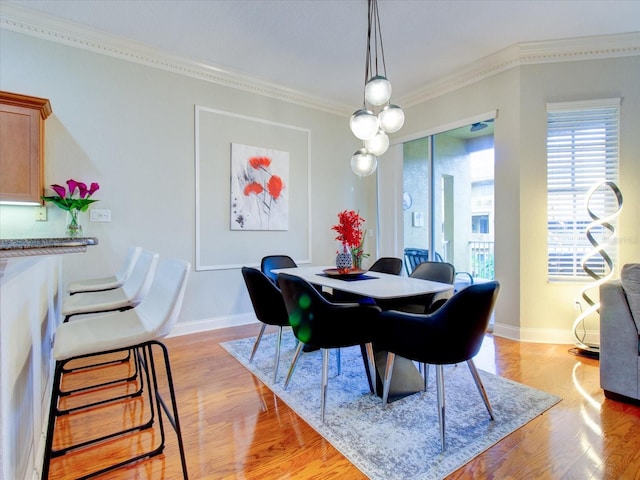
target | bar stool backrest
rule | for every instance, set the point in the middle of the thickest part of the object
(126, 269)
(160, 308)
(138, 284)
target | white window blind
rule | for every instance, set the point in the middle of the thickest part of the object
(582, 150)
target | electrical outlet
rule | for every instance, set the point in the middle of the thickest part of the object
(577, 305)
(41, 214)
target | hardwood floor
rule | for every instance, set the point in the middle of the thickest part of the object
(236, 428)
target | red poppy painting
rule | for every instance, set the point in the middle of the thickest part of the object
(259, 181)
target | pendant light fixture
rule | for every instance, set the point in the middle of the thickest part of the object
(366, 124)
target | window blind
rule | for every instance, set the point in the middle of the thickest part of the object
(582, 150)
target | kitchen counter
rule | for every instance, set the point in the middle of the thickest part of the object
(26, 247)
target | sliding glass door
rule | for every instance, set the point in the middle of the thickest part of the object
(448, 198)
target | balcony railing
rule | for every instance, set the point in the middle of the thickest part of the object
(482, 260)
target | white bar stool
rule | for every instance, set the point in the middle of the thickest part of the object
(139, 329)
(127, 296)
(110, 282)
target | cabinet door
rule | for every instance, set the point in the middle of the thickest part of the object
(20, 173)
(22, 147)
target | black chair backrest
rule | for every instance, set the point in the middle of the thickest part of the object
(435, 271)
(390, 265)
(415, 256)
(271, 262)
(317, 322)
(266, 298)
(452, 334)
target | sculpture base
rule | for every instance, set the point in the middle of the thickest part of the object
(588, 351)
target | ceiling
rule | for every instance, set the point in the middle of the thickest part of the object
(317, 47)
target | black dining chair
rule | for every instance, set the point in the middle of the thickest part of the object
(415, 256)
(269, 308)
(390, 265)
(272, 262)
(452, 334)
(442, 272)
(434, 271)
(325, 325)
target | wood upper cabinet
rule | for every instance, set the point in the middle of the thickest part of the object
(22, 147)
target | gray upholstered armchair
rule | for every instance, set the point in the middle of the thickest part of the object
(620, 335)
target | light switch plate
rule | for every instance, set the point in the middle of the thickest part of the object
(98, 215)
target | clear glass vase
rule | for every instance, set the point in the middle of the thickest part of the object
(356, 259)
(74, 228)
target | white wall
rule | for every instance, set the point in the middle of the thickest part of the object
(130, 127)
(550, 305)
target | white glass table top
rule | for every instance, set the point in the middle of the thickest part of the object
(371, 284)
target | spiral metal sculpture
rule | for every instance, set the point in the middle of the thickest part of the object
(598, 249)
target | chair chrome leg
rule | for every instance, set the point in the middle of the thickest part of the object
(483, 392)
(425, 375)
(255, 345)
(441, 406)
(388, 371)
(325, 379)
(372, 366)
(276, 360)
(338, 360)
(296, 355)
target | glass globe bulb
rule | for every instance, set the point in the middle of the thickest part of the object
(377, 91)
(363, 162)
(391, 118)
(378, 144)
(363, 124)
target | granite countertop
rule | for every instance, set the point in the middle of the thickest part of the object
(25, 247)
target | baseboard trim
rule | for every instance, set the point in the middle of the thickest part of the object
(534, 335)
(186, 328)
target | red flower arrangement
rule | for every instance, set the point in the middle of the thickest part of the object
(349, 228)
(351, 235)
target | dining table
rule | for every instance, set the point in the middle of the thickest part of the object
(380, 288)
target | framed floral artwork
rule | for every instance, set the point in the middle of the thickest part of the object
(252, 190)
(259, 188)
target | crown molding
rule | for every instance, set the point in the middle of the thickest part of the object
(42, 26)
(529, 53)
(35, 24)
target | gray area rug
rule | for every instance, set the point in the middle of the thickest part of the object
(401, 442)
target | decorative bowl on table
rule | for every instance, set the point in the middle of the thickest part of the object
(343, 272)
